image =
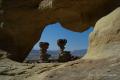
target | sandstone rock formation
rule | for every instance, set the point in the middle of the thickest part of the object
(106, 69)
(106, 34)
(103, 59)
(22, 21)
(10, 70)
(105, 39)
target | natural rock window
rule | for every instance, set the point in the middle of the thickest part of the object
(77, 43)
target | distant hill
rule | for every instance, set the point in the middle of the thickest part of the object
(80, 53)
(34, 54)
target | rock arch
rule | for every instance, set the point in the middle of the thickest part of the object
(24, 20)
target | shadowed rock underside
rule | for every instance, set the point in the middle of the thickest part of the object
(22, 21)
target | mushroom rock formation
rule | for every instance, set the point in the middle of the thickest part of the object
(105, 39)
(22, 21)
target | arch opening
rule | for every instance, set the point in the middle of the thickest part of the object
(77, 43)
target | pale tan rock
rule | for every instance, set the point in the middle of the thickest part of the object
(105, 39)
(10, 70)
(106, 69)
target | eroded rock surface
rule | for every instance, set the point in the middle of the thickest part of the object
(10, 70)
(101, 63)
(105, 39)
(105, 69)
(22, 21)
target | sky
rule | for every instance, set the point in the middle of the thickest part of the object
(75, 40)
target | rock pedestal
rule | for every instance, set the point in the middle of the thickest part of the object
(44, 56)
(65, 56)
(61, 43)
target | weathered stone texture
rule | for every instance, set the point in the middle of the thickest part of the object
(22, 21)
(105, 39)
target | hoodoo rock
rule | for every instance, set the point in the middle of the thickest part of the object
(22, 21)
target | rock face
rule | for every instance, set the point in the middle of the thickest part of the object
(10, 70)
(22, 21)
(105, 39)
(106, 69)
(101, 63)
